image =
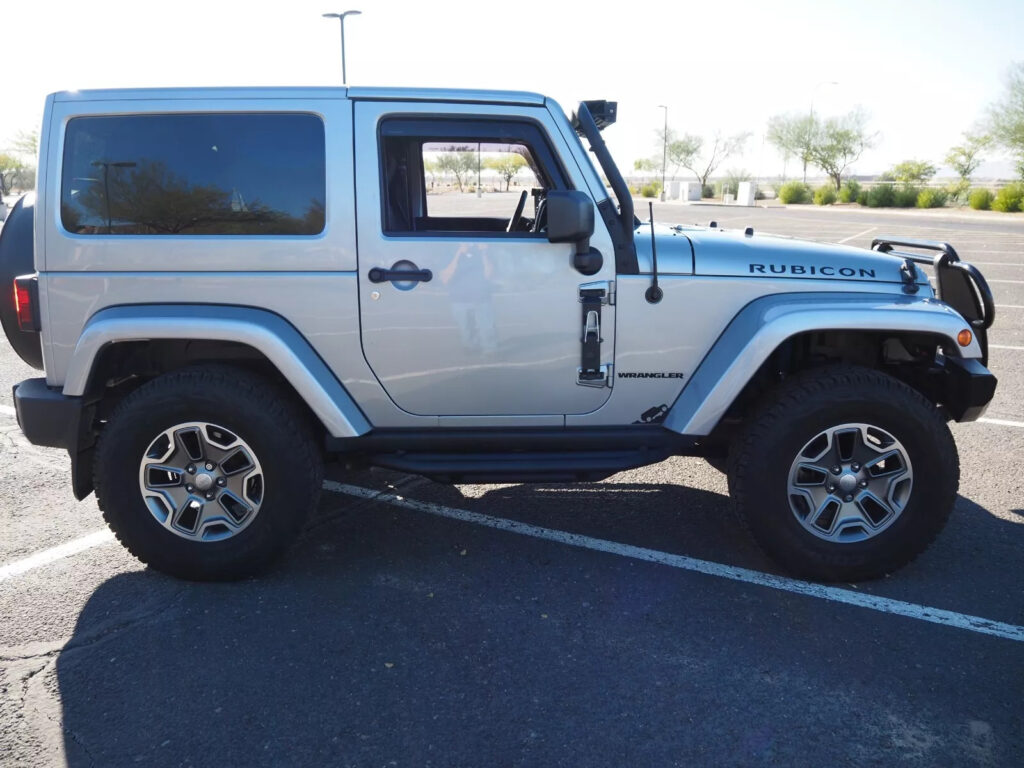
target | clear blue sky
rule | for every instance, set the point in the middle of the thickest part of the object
(924, 70)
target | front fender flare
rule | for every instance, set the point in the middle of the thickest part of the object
(760, 327)
(264, 331)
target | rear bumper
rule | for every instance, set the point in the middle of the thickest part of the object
(47, 416)
(50, 418)
(968, 388)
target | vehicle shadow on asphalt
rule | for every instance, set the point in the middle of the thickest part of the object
(393, 635)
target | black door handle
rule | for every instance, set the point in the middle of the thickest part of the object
(378, 275)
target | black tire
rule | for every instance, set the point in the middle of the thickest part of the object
(719, 463)
(763, 453)
(266, 418)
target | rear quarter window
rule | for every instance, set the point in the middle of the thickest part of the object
(194, 174)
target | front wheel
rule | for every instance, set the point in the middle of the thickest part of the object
(207, 473)
(844, 474)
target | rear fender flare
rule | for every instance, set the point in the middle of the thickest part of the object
(264, 331)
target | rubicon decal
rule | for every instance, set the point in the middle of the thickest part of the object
(651, 375)
(801, 269)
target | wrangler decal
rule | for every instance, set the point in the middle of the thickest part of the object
(655, 375)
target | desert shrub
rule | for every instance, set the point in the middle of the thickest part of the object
(931, 198)
(825, 195)
(880, 196)
(905, 196)
(862, 197)
(651, 190)
(980, 199)
(1009, 198)
(793, 192)
(957, 191)
(707, 190)
(849, 192)
(759, 194)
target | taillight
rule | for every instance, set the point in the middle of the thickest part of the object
(26, 300)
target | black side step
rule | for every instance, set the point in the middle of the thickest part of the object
(524, 467)
(522, 455)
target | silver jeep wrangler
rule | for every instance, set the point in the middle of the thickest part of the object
(227, 287)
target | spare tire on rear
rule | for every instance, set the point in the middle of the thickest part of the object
(16, 259)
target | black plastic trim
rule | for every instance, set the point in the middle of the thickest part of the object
(968, 388)
(46, 415)
(507, 439)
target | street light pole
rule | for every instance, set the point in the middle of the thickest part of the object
(814, 90)
(664, 151)
(341, 17)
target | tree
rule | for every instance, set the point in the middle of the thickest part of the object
(458, 161)
(645, 164)
(733, 178)
(839, 142)
(965, 157)
(11, 172)
(507, 165)
(685, 151)
(1006, 117)
(26, 143)
(793, 136)
(912, 172)
(676, 151)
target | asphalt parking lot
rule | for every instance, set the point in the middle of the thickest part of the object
(627, 622)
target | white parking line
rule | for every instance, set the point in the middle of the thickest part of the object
(1013, 282)
(1006, 346)
(1002, 422)
(6, 410)
(732, 573)
(854, 237)
(52, 554)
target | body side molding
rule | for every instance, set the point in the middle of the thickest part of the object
(760, 327)
(284, 346)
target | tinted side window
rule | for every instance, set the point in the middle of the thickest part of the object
(447, 176)
(194, 174)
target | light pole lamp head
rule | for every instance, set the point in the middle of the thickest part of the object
(341, 15)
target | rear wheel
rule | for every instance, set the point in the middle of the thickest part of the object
(844, 474)
(207, 474)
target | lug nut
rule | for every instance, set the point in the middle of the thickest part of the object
(210, 496)
(191, 469)
(209, 466)
(836, 469)
(189, 488)
(848, 498)
(831, 488)
(222, 482)
(855, 467)
(863, 483)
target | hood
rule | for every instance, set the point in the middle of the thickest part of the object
(730, 253)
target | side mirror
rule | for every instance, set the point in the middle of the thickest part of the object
(571, 220)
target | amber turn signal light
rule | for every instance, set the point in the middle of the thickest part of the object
(964, 338)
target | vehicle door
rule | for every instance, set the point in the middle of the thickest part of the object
(489, 317)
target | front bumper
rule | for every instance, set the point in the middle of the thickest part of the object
(968, 387)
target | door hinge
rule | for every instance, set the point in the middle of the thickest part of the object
(597, 377)
(603, 289)
(591, 372)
